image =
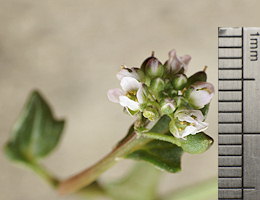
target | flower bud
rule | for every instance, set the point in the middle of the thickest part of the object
(150, 113)
(179, 81)
(167, 106)
(152, 67)
(157, 85)
(175, 64)
(200, 94)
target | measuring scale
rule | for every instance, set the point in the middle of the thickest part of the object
(239, 113)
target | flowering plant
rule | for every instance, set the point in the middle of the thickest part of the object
(169, 110)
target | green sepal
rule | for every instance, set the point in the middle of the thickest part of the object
(163, 155)
(131, 112)
(205, 110)
(36, 132)
(199, 76)
(150, 113)
(196, 144)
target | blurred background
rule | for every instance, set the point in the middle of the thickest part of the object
(72, 50)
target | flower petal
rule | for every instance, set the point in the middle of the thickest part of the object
(204, 85)
(140, 95)
(200, 98)
(114, 94)
(126, 102)
(190, 116)
(185, 60)
(173, 63)
(130, 84)
(125, 72)
(198, 114)
(189, 130)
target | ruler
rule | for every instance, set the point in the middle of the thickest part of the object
(239, 113)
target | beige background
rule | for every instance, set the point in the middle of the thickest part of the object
(71, 51)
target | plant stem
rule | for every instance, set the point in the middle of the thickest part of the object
(44, 173)
(87, 176)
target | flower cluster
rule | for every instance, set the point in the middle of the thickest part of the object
(157, 89)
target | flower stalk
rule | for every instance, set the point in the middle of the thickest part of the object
(87, 176)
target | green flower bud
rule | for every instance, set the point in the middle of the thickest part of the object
(179, 81)
(200, 76)
(157, 85)
(167, 106)
(152, 67)
(150, 113)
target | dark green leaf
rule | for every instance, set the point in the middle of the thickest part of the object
(139, 184)
(163, 155)
(36, 132)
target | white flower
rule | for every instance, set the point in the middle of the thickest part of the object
(200, 94)
(126, 72)
(130, 96)
(187, 122)
(174, 64)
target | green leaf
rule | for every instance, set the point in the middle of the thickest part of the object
(36, 132)
(196, 144)
(163, 155)
(140, 184)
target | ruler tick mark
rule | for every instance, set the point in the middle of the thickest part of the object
(230, 36)
(230, 57)
(230, 68)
